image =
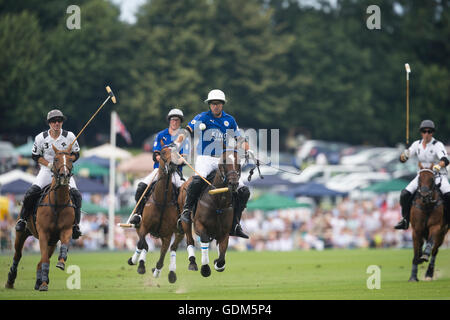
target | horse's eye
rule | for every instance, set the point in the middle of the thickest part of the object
(56, 159)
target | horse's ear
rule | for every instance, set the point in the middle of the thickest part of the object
(431, 167)
(55, 149)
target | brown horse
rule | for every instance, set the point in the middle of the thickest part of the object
(427, 221)
(159, 218)
(54, 220)
(213, 216)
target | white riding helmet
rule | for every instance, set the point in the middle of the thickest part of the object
(175, 113)
(216, 94)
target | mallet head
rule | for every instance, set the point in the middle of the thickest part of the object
(407, 67)
(111, 94)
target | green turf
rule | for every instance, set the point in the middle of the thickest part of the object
(335, 274)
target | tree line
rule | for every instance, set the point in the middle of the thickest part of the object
(313, 70)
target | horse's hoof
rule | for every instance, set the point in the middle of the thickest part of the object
(141, 268)
(205, 270)
(172, 277)
(424, 258)
(43, 287)
(413, 279)
(61, 265)
(193, 266)
(427, 278)
(219, 268)
(130, 262)
(9, 285)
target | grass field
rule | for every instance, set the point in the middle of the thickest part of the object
(297, 275)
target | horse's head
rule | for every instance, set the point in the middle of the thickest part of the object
(230, 169)
(167, 162)
(426, 184)
(62, 166)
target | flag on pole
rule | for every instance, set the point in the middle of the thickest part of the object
(120, 128)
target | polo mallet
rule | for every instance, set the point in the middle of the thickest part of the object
(408, 71)
(128, 224)
(110, 96)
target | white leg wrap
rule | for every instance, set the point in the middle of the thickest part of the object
(156, 273)
(205, 256)
(143, 255)
(135, 256)
(191, 251)
(173, 261)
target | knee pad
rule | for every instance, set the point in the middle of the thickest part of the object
(76, 196)
(405, 197)
(140, 189)
(31, 196)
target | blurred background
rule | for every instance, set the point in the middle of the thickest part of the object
(312, 69)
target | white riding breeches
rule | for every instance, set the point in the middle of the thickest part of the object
(204, 165)
(153, 176)
(44, 178)
(442, 179)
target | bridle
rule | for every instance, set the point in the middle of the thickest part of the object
(61, 179)
(426, 192)
(226, 175)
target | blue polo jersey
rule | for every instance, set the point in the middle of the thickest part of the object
(217, 131)
(164, 138)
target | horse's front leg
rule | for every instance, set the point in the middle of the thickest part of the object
(21, 236)
(45, 260)
(160, 263)
(190, 246)
(38, 283)
(205, 269)
(219, 264)
(142, 248)
(418, 242)
(65, 237)
(438, 235)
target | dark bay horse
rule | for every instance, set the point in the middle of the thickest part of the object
(54, 220)
(213, 216)
(427, 222)
(159, 218)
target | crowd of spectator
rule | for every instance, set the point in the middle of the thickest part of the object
(347, 224)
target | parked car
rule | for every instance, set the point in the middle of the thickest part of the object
(347, 182)
(309, 151)
(323, 173)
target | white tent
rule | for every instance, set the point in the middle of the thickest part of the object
(16, 175)
(107, 150)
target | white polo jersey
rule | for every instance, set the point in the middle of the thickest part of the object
(43, 147)
(431, 154)
(43, 144)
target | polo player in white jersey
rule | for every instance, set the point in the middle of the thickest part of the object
(44, 154)
(428, 150)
